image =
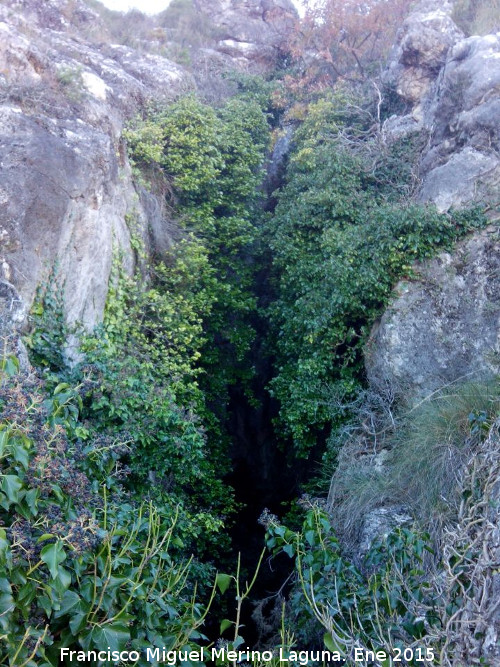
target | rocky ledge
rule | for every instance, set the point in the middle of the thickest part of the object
(250, 34)
(443, 326)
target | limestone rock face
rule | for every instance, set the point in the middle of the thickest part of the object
(67, 197)
(445, 325)
(426, 37)
(462, 162)
(451, 86)
(252, 33)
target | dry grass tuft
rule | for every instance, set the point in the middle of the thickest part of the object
(414, 460)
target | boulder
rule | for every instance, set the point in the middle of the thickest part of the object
(251, 34)
(445, 324)
(461, 164)
(425, 39)
(451, 88)
(378, 524)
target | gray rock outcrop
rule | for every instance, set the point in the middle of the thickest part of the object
(251, 33)
(451, 86)
(426, 37)
(461, 164)
(67, 197)
(443, 326)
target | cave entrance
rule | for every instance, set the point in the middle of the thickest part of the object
(263, 476)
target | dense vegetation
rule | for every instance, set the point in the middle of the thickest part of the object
(342, 234)
(83, 561)
(152, 388)
(115, 512)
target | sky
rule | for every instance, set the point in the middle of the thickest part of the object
(149, 6)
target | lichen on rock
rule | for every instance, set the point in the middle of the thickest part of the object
(445, 324)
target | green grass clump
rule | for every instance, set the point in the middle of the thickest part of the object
(425, 456)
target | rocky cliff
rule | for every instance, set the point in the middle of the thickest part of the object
(445, 324)
(451, 87)
(67, 197)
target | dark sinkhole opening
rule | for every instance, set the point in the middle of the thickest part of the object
(262, 476)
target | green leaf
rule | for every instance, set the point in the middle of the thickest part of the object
(78, 621)
(7, 605)
(225, 624)
(31, 499)
(310, 537)
(6, 602)
(53, 555)
(27, 593)
(69, 601)
(4, 440)
(113, 636)
(63, 580)
(10, 365)
(21, 454)
(223, 581)
(45, 603)
(331, 644)
(4, 543)
(11, 486)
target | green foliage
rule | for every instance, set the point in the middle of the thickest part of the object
(175, 335)
(339, 246)
(49, 329)
(141, 383)
(143, 363)
(383, 603)
(82, 565)
(194, 322)
(213, 159)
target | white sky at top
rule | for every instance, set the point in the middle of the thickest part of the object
(153, 6)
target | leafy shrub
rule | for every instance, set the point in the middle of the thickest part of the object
(175, 335)
(213, 159)
(339, 246)
(49, 329)
(141, 371)
(82, 565)
(385, 603)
